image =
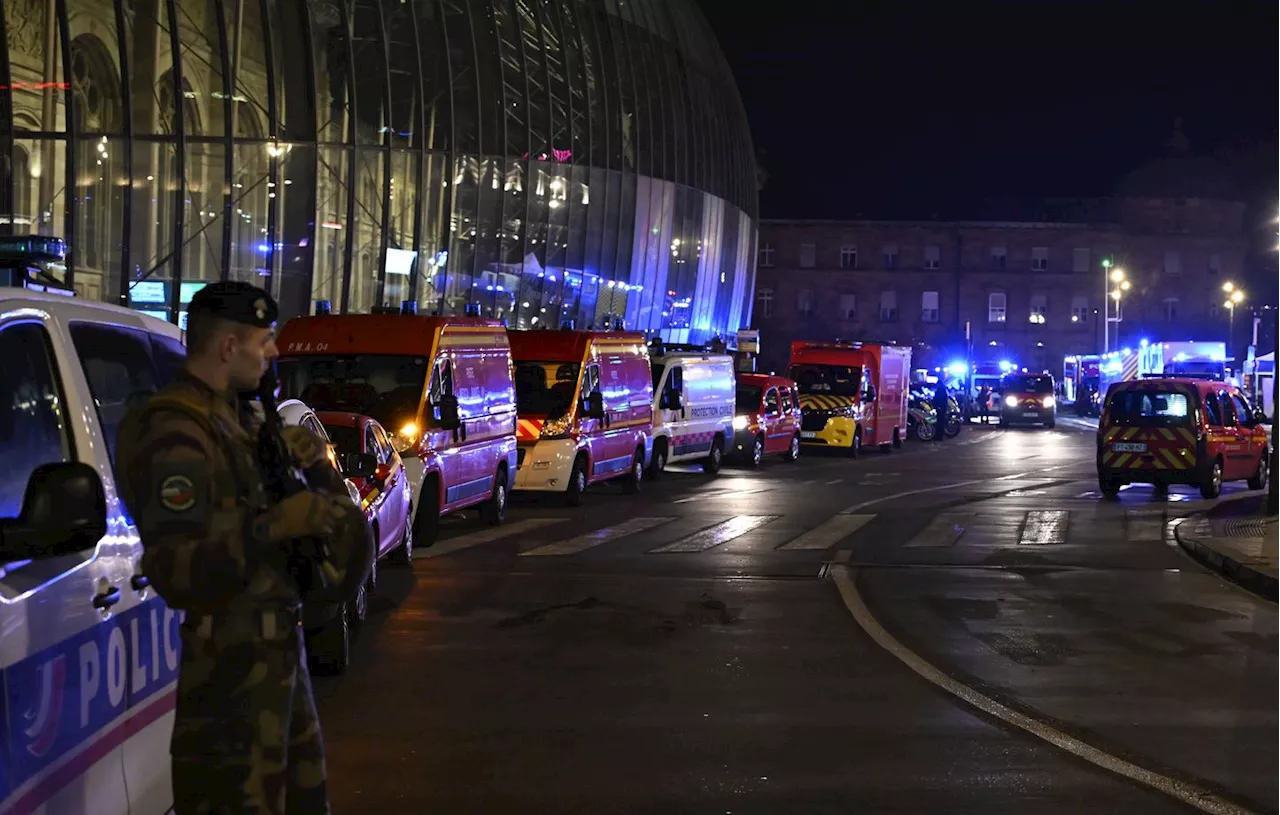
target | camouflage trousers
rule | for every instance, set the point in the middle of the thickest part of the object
(245, 735)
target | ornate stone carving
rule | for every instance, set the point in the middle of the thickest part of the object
(24, 27)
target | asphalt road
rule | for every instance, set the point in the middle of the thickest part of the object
(688, 650)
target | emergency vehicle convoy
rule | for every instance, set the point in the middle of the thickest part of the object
(88, 653)
(851, 393)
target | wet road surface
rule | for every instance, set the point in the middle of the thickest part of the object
(686, 649)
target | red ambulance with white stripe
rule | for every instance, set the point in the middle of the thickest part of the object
(585, 403)
(442, 386)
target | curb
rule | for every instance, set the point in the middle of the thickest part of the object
(1242, 574)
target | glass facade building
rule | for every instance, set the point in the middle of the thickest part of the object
(546, 160)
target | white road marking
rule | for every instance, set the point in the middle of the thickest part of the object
(488, 535)
(829, 532)
(1144, 524)
(944, 530)
(834, 481)
(953, 485)
(720, 493)
(1188, 793)
(581, 543)
(1044, 527)
(717, 535)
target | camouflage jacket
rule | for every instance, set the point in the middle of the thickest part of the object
(186, 466)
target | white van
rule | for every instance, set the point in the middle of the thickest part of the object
(693, 407)
(88, 653)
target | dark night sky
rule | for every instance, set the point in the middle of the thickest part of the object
(900, 109)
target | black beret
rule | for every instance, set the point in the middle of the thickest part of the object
(236, 301)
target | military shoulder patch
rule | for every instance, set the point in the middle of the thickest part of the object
(177, 493)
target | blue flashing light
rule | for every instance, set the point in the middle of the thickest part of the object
(957, 369)
(323, 307)
(1005, 366)
(1143, 342)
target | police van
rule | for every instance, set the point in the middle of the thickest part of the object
(694, 395)
(88, 653)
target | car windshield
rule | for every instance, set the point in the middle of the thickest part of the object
(837, 380)
(1149, 407)
(748, 400)
(346, 439)
(545, 388)
(1027, 384)
(386, 387)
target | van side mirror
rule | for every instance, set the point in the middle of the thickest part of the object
(449, 416)
(869, 395)
(64, 511)
(595, 405)
(358, 465)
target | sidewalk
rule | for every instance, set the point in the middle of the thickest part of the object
(1236, 540)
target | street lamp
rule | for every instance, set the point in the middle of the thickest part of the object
(1235, 297)
(1116, 276)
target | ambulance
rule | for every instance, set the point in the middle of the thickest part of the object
(851, 394)
(441, 385)
(585, 403)
(88, 652)
(693, 406)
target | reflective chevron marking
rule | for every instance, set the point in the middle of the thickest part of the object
(589, 540)
(717, 535)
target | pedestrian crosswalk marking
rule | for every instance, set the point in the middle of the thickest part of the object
(717, 535)
(489, 535)
(829, 532)
(944, 530)
(1044, 527)
(589, 540)
(704, 496)
(1145, 524)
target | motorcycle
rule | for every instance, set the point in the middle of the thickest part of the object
(954, 419)
(922, 419)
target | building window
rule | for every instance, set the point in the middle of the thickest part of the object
(1172, 263)
(1079, 309)
(1039, 259)
(804, 302)
(929, 307)
(1170, 309)
(890, 256)
(1215, 265)
(932, 257)
(999, 256)
(1080, 259)
(848, 257)
(1039, 308)
(808, 255)
(888, 306)
(996, 302)
(764, 302)
(849, 307)
(765, 257)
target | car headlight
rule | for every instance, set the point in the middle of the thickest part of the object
(1049, 401)
(740, 422)
(1011, 401)
(557, 428)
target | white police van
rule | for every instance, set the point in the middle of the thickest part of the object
(88, 653)
(693, 406)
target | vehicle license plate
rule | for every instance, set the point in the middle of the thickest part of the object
(1029, 414)
(1129, 447)
(808, 434)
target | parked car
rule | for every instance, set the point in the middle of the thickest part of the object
(768, 418)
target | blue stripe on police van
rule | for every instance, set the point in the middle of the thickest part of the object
(57, 699)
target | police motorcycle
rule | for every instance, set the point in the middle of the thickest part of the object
(955, 419)
(922, 418)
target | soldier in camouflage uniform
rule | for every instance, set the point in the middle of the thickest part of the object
(245, 737)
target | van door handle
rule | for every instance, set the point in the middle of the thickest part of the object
(107, 599)
(139, 582)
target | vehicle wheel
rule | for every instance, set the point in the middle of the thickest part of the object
(924, 431)
(793, 452)
(330, 646)
(1258, 480)
(358, 609)
(635, 478)
(577, 482)
(426, 522)
(715, 458)
(659, 461)
(1211, 487)
(855, 449)
(1051, 423)
(1109, 487)
(897, 438)
(494, 511)
(402, 555)
(757, 452)
(953, 428)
